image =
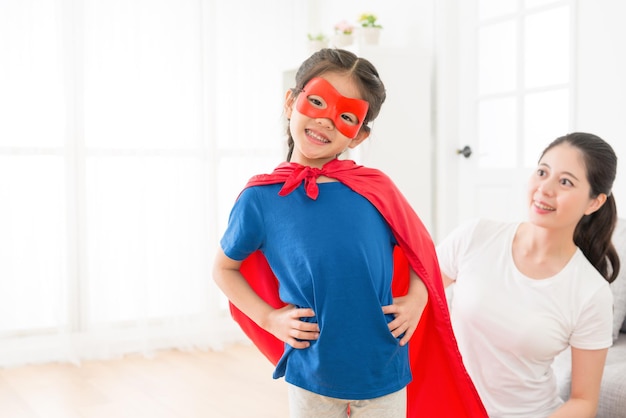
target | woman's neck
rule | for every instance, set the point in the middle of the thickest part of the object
(539, 252)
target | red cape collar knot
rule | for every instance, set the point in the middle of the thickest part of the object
(301, 173)
(309, 175)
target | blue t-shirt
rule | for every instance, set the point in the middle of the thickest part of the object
(334, 255)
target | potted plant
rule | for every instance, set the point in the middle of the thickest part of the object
(317, 42)
(344, 34)
(370, 28)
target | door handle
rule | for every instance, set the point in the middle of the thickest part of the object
(466, 151)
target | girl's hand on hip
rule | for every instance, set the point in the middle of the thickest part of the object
(407, 310)
(286, 325)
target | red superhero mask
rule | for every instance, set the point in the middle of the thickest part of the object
(319, 99)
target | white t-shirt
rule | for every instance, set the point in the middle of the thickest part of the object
(510, 327)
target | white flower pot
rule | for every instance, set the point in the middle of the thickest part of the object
(341, 40)
(370, 36)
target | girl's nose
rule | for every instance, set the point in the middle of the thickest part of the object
(325, 123)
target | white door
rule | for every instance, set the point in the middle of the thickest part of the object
(514, 94)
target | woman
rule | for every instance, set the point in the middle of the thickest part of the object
(525, 291)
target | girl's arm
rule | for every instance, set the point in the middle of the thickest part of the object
(408, 309)
(587, 368)
(283, 323)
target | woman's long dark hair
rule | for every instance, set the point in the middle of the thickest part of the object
(341, 61)
(593, 234)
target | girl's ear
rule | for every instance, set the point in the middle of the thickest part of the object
(360, 137)
(288, 106)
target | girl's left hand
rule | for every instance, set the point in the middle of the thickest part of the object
(407, 310)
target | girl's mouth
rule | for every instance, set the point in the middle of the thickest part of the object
(316, 137)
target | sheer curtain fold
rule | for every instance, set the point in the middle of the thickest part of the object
(107, 178)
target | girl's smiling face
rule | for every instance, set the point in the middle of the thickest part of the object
(317, 139)
(319, 99)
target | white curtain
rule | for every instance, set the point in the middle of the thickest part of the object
(127, 128)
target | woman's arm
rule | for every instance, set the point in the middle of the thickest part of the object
(408, 309)
(446, 280)
(283, 323)
(587, 368)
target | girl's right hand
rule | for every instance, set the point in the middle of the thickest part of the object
(285, 324)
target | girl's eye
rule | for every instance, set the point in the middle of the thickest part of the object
(350, 118)
(541, 172)
(566, 182)
(317, 101)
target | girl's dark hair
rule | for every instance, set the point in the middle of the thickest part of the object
(341, 61)
(594, 232)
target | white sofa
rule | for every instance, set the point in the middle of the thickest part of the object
(613, 389)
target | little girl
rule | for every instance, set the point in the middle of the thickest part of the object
(330, 271)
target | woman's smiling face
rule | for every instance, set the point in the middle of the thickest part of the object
(558, 190)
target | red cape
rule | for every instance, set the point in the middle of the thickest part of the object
(441, 387)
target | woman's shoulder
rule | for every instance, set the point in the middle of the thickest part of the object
(586, 273)
(485, 227)
(473, 235)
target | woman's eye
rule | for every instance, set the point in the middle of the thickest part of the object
(349, 118)
(566, 182)
(541, 172)
(317, 101)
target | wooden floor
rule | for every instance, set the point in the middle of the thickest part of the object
(234, 383)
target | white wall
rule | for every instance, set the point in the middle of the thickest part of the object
(601, 102)
(400, 143)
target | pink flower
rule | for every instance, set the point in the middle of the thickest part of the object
(344, 27)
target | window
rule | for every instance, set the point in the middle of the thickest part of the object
(524, 78)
